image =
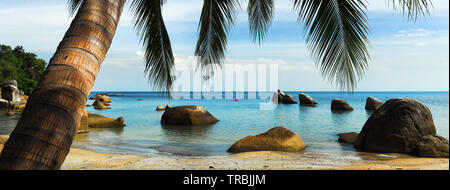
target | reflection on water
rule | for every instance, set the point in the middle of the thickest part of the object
(188, 141)
(317, 126)
(341, 112)
(190, 131)
(7, 122)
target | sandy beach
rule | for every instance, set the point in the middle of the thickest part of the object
(79, 159)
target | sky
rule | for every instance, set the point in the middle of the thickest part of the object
(405, 56)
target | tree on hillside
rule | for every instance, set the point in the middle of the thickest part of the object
(21, 66)
(336, 38)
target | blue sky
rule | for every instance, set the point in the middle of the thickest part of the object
(406, 56)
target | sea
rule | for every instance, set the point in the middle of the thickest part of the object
(240, 115)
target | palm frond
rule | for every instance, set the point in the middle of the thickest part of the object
(413, 8)
(74, 5)
(215, 21)
(260, 15)
(336, 38)
(159, 59)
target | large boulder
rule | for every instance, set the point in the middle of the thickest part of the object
(432, 147)
(396, 127)
(348, 138)
(187, 115)
(279, 97)
(10, 82)
(340, 105)
(304, 99)
(99, 121)
(373, 103)
(10, 92)
(276, 139)
(4, 103)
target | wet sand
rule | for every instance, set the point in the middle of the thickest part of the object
(80, 159)
(265, 160)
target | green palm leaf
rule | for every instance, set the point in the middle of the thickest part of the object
(216, 19)
(74, 5)
(337, 38)
(260, 15)
(159, 59)
(413, 8)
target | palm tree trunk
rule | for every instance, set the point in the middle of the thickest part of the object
(45, 132)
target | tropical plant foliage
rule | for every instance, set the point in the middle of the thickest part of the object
(21, 66)
(159, 58)
(336, 34)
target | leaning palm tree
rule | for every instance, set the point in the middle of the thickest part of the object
(336, 37)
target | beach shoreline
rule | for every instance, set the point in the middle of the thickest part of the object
(80, 159)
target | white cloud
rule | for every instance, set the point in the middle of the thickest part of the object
(413, 33)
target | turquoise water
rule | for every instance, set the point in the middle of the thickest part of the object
(317, 126)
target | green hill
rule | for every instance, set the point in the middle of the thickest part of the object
(22, 66)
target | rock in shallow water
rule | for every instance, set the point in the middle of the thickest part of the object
(101, 98)
(99, 105)
(99, 121)
(349, 138)
(160, 108)
(340, 105)
(373, 103)
(276, 139)
(396, 127)
(279, 97)
(187, 115)
(432, 147)
(306, 100)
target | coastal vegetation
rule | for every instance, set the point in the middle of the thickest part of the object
(22, 66)
(336, 37)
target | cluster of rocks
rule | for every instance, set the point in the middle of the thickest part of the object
(279, 97)
(12, 98)
(89, 120)
(102, 101)
(162, 108)
(372, 104)
(276, 139)
(401, 125)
